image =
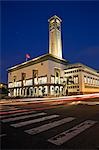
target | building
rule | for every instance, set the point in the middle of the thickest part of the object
(86, 79)
(50, 74)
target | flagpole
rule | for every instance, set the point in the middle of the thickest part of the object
(27, 56)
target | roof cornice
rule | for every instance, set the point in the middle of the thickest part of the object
(38, 60)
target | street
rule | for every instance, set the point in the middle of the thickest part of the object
(50, 125)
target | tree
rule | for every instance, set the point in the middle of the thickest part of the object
(4, 90)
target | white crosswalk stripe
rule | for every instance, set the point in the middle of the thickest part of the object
(24, 123)
(23, 117)
(48, 126)
(69, 134)
(17, 114)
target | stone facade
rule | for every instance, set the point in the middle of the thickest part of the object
(40, 77)
(85, 79)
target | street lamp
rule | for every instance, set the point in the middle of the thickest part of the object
(1, 85)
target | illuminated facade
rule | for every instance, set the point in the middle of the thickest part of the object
(55, 43)
(50, 74)
(85, 79)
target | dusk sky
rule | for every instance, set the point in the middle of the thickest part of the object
(25, 30)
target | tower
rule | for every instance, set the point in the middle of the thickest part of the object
(55, 44)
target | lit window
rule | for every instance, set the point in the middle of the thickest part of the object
(52, 80)
(85, 79)
(42, 80)
(57, 74)
(35, 81)
(29, 82)
(14, 78)
(75, 79)
(61, 80)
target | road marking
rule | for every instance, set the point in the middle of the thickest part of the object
(69, 134)
(12, 112)
(22, 113)
(20, 124)
(23, 117)
(1, 135)
(6, 110)
(48, 126)
(83, 102)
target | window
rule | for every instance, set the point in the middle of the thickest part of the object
(35, 77)
(91, 81)
(98, 81)
(35, 81)
(42, 80)
(88, 80)
(31, 92)
(35, 90)
(21, 91)
(80, 70)
(61, 80)
(35, 73)
(52, 80)
(23, 76)
(57, 74)
(23, 79)
(29, 82)
(14, 78)
(85, 79)
(75, 79)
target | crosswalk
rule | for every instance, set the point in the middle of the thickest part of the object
(46, 122)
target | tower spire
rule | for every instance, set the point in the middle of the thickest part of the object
(55, 44)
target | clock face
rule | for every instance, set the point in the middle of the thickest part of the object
(54, 24)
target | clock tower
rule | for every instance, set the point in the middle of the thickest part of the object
(55, 43)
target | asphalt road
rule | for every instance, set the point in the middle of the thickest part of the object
(53, 125)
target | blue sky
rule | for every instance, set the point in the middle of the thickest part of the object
(24, 29)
